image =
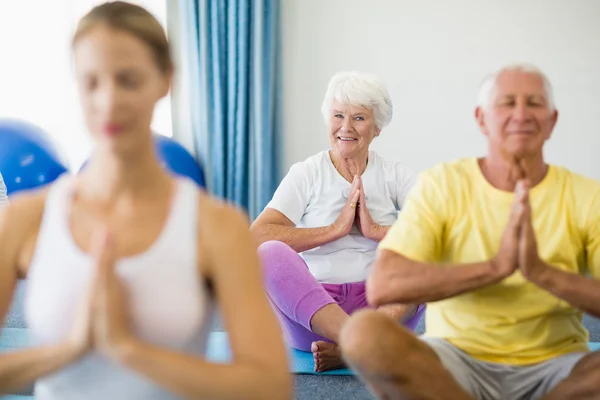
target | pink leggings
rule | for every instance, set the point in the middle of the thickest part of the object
(296, 295)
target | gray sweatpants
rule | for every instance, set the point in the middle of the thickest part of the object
(491, 381)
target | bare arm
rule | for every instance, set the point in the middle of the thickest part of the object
(273, 225)
(379, 232)
(19, 369)
(259, 369)
(397, 279)
(579, 291)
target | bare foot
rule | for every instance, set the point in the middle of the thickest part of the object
(327, 356)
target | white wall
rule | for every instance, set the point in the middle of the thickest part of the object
(433, 54)
(36, 77)
(181, 105)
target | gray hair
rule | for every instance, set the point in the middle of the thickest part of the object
(361, 90)
(489, 83)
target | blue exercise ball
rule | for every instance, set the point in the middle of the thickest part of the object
(176, 159)
(28, 158)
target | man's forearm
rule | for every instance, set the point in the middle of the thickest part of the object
(579, 291)
(396, 279)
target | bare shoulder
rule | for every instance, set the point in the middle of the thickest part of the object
(23, 210)
(223, 234)
(218, 216)
(20, 221)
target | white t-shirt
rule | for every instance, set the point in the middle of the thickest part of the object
(3, 196)
(313, 194)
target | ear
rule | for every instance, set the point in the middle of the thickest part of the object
(377, 132)
(479, 117)
(553, 124)
(168, 77)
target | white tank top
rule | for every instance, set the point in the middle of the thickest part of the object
(169, 303)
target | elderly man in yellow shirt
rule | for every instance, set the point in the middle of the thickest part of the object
(505, 249)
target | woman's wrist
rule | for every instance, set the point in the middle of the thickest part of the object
(378, 232)
(336, 231)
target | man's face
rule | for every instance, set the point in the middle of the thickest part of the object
(518, 118)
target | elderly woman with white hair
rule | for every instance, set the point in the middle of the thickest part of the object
(320, 232)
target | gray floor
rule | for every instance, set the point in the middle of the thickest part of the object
(309, 387)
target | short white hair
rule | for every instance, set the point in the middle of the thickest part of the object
(361, 90)
(489, 83)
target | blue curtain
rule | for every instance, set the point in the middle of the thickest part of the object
(231, 50)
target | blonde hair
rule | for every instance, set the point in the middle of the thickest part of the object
(133, 19)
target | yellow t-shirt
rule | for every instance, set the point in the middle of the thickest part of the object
(454, 215)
